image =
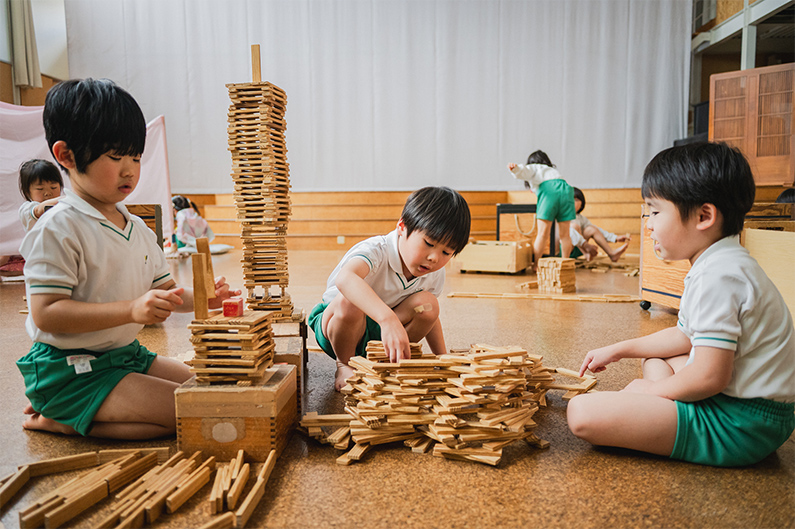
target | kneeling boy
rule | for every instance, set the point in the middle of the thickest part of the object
(373, 292)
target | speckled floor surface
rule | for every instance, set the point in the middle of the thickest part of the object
(571, 484)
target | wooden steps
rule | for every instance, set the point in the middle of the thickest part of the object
(338, 220)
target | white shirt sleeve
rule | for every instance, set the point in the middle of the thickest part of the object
(26, 215)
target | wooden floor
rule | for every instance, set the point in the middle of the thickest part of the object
(570, 485)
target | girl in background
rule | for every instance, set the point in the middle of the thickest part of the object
(190, 225)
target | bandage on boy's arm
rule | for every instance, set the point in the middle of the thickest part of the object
(55, 313)
(708, 375)
(351, 284)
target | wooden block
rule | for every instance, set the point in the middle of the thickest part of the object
(185, 492)
(233, 307)
(61, 464)
(200, 298)
(106, 456)
(74, 506)
(256, 74)
(221, 420)
(254, 496)
(237, 487)
(203, 247)
(225, 521)
(12, 484)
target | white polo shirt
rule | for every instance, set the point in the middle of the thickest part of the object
(730, 303)
(75, 250)
(534, 174)
(26, 215)
(386, 272)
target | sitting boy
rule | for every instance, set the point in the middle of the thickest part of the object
(95, 275)
(719, 388)
(385, 288)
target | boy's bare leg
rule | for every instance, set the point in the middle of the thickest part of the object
(165, 368)
(36, 421)
(418, 322)
(628, 420)
(591, 232)
(542, 240)
(343, 324)
(566, 245)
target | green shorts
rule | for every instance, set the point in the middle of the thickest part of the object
(555, 201)
(72, 392)
(372, 331)
(726, 431)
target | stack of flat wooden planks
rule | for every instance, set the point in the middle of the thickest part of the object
(232, 350)
(556, 275)
(261, 178)
(465, 405)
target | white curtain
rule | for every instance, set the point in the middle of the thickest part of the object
(22, 139)
(397, 94)
(25, 55)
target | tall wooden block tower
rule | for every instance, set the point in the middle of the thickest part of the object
(261, 178)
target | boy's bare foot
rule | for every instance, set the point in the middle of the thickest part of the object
(616, 254)
(37, 421)
(344, 372)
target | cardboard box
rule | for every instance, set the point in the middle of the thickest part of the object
(222, 419)
(495, 256)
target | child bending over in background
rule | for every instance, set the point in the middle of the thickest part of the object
(555, 201)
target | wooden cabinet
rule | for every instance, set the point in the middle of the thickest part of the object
(753, 111)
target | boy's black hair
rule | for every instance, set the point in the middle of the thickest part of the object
(34, 171)
(539, 157)
(441, 213)
(93, 116)
(578, 194)
(703, 173)
(786, 197)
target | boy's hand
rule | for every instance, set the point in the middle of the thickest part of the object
(395, 340)
(623, 238)
(156, 305)
(511, 166)
(222, 292)
(597, 359)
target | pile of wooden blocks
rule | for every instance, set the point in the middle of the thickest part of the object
(232, 350)
(261, 188)
(464, 405)
(556, 275)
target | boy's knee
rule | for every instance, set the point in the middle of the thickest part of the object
(579, 417)
(425, 306)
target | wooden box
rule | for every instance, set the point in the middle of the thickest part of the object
(222, 419)
(496, 256)
(775, 252)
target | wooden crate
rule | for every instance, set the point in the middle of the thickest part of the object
(220, 420)
(775, 252)
(663, 281)
(495, 256)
